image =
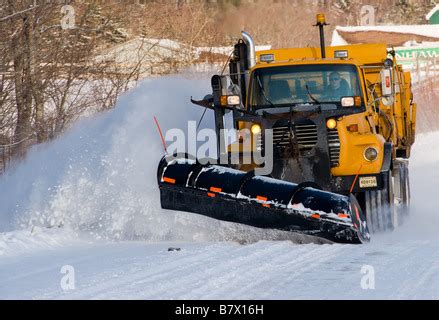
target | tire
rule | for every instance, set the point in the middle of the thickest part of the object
(388, 208)
(388, 205)
(402, 190)
(379, 207)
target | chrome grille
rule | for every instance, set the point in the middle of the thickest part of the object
(334, 147)
(306, 135)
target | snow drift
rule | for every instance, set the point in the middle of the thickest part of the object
(100, 176)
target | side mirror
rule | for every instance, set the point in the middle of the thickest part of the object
(219, 89)
(386, 82)
(221, 95)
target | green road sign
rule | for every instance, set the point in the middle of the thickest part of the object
(407, 56)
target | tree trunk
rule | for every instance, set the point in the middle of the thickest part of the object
(39, 118)
(23, 88)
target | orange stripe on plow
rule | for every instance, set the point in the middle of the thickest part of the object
(261, 198)
(169, 180)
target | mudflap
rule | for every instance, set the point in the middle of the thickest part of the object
(236, 196)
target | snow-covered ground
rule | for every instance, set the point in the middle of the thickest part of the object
(87, 205)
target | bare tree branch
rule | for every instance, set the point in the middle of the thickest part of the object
(12, 16)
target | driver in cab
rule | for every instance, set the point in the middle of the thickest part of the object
(338, 87)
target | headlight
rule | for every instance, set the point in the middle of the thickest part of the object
(370, 154)
(347, 101)
(331, 124)
(256, 128)
(233, 100)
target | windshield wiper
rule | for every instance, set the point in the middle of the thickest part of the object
(310, 95)
(263, 92)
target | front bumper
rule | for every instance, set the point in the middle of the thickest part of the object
(362, 183)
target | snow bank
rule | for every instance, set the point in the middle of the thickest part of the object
(32, 240)
(425, 151)
(423, 222)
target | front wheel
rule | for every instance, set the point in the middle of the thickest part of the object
(388, 208)
(378, 206)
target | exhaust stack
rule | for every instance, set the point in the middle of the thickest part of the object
(251, 51)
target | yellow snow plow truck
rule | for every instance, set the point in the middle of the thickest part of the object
(332, 125)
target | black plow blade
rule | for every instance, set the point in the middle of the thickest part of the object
(231, 195)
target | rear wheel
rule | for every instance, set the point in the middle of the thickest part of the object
(402, 189)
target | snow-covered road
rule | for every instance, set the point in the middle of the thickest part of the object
(89, 200)
(263, 270)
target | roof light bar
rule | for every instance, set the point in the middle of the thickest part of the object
(266, 58)
(342, 54)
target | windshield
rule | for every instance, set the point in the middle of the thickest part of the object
(322, 83)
